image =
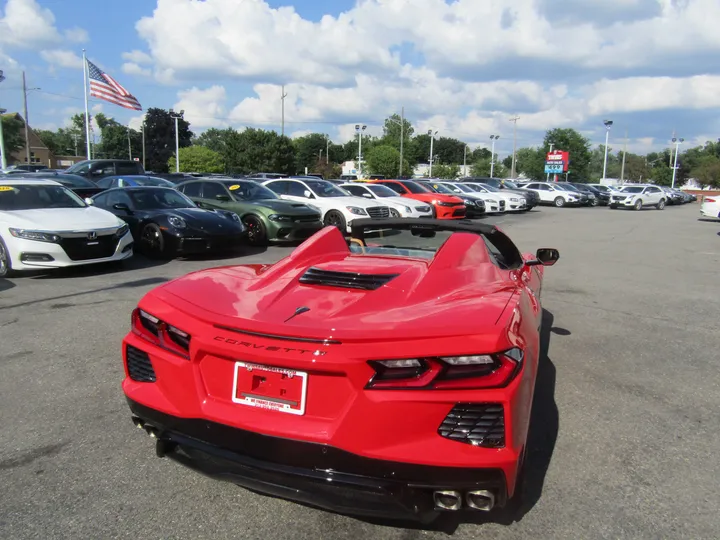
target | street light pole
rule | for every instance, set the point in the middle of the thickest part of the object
(359, 129)
(493, 138)
(3, 159)
(177, 138)
(402, 138)
(327, 149)
(608, 125)
(547, 176)
(142, 129)
(514, 121)
(677, 151)
(465, 161)
(432, 140)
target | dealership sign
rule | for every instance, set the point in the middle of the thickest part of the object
(557, 162)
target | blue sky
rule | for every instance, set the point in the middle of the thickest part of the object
(461, 67)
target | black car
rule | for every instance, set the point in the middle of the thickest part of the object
(532, 199)
(164, 222)
(593, 194)
(82, 187)
(95, 169)
(475, 207)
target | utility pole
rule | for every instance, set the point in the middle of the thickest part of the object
(547, 176)
(177, 138)
(75, 137)
(283, 95)
(402, 138)
(514, 121)
(27, 131)
(465, 161)
(432, 140)
(327, 149)
(493, 138)
(129, 145)
(142, 129)
(622, 169)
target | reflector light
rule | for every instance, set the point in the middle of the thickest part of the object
(159, 333)
(468, 360)
(410, 363)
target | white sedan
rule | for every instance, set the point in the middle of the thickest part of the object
(710, 207)
(45, 225)
(403, 206)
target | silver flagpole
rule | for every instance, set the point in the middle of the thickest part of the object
(87, 112)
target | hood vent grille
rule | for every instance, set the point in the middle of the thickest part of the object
(352, 280)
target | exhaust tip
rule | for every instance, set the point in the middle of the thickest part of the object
(447, 500)
(138, 422)
(482, 500)
(152, 431)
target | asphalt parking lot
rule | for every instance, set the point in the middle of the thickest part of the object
(625, 428)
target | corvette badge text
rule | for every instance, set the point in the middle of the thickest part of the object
(249, 345)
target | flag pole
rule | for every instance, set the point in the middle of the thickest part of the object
(87, 112)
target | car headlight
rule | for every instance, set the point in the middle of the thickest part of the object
(513, 199)
(122, 231)
(491, 201)
(37, 236)
(233, 216)
(177, 222)
(408, 209)
(356, 210)
(442, 203)
(469, 202)
(278, 217)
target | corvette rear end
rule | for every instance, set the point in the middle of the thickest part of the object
(371, 381)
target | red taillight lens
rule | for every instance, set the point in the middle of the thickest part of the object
(709, 199)
(159, 333)
(453, 372)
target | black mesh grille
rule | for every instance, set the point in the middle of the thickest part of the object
(353, 280)
(139, 365)
(377, 212)
(83, 249)
(480, 424)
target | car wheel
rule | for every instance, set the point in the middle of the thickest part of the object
(638, 204)
(152, 242)
(559, 202)
(661, 204)
(257, 234)
(5, 261)
(612, 206)
(594, 202)
(434, 212)
(394, 213)
(336, 219)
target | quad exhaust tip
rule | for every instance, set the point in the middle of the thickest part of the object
(447, 500)
(480, 500)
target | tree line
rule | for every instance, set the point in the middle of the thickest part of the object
(252, 150)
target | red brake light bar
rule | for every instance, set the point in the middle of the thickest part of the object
(160, 333)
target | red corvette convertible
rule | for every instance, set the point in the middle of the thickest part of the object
(391, 375)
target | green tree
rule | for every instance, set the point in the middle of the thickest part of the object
(707, 171)
(529, 162)
(478, 154)
(446, 172)
(160, 138)
(449, 151)
(384, 159)
(214, 139)
(576, 144)
(198, 159)
(392, 129)
(13, 135)
(256, 150)
(482, 167)
(308, 150)
(115, 138)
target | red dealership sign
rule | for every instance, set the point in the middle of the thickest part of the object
(558, 156)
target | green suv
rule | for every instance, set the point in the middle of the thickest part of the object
(267, 217)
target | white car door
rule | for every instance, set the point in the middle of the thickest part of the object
(653, 195)
(545, 193)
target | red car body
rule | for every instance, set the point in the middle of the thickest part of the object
(339, 376)
(444, 206)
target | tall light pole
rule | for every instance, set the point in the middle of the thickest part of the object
(283, 95)
(129, 145)
(493, 138)
(547, 176)
(359, 129)
(677, 151)
(26, 90)
(514, 121)
(432, 140)
(327, 149)
(402, 139)
(465, 161)
(608, 125)
(142, 130)
(3, 159)
(177, 138)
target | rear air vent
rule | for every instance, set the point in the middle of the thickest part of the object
(479, 424)
(139, 366)
(352, 280)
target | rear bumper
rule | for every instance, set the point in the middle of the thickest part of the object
(315, 474)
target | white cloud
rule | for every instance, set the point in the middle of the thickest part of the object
(131, 68)
(136, 122)
(76, 35)
(203, 107)
(62, 58)
(137, 57)
(26, 24)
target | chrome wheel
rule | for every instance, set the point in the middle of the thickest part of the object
(4, 260)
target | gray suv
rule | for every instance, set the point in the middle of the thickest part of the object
(95, 169)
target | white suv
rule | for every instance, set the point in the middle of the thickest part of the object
(399, 206)
(492, 204)
(337, 206)
(637, 195)
(550, 193)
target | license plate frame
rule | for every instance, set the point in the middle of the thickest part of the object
(294, 404)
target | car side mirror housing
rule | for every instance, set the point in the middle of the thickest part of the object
(367, 195)
(308, 194)
(89, 201)
(224, 198)
(122, 206)
(545, 257)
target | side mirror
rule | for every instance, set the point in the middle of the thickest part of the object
(122, 206)
(224, 198)
(545, 257)
(308, 194)
(367, 195)
(89, 201)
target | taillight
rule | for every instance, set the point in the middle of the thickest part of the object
(160, 333)
(447, 372)
(709, 199)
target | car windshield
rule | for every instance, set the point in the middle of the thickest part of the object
(414, 187)
(150, 181)
(463, 188)
(154, 199)
(35, 197)
(71, 180)
(325, 189)
(249, 191)
(490, 188)
(564, 187)
(601, 188)
(381, 191)
(632, 189)
(441, 188)
(81, 166)
(511, 185)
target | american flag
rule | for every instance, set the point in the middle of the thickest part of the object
(103, 86)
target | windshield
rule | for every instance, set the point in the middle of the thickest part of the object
(249, 191)
(463, 188)
(601, 188)
(81, 166)
(154, 199)
(490, 188)
(442, 188)
(632, 189)
(382, 191)
(326, 189)
(73, 181)
(414, 187)
(511, 185)
(151, 181)
(563, 187)
(398, 243)
(35, 197)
